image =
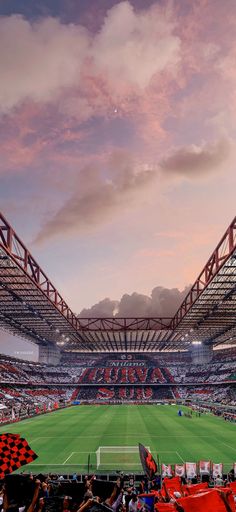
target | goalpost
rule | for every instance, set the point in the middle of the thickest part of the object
(120, 457)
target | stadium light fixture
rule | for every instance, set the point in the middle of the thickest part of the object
(196, 342)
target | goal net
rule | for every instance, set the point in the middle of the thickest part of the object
(119, 457)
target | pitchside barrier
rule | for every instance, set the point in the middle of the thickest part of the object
(203, 468)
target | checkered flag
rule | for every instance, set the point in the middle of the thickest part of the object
(14, 453)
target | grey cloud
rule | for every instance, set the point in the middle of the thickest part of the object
(163, 302)
(104, 308)
(100, 192)
(194, 161)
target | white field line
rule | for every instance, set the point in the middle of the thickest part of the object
(84, 452)
(126, 435)
(72, 453)
(118, 464)
(177, 453)
(58, 465)
(228, 445)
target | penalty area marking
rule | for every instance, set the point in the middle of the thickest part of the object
(73, 453)
(228, 445)
(171, 451)
(177, 453)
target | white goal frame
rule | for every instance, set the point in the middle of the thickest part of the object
(116, 449)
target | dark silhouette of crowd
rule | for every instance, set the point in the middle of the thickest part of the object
(120, 493)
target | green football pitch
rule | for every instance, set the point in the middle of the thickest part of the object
(109, 435)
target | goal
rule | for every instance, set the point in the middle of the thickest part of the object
(119, 457)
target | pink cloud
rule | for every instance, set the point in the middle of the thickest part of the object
(50, 55)
(128, 38)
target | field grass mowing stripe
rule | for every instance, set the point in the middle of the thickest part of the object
(57, 438)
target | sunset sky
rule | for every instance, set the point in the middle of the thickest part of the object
(117, 143)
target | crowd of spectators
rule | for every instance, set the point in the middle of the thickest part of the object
(16, 371)
(208, 373)
(26, 387)
(54, 493)
(21, 402)
(124, 393)
(224, 395)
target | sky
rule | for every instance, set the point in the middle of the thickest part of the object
(117, 144)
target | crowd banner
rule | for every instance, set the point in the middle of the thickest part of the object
(180, 470)
(191, 469)
(204, 467)
(166, 470)
(217, 469)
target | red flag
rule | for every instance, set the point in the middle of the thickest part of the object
(14, 453)
(165, 507)
(212, 501)
(172, 485)
(148, 462)
(195, 488)
(232, 486)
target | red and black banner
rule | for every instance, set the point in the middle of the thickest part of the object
(148, 462)
(14, 453)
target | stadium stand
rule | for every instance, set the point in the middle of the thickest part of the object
(30, 387)
(188, 359)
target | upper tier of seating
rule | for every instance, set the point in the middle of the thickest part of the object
(108, 371)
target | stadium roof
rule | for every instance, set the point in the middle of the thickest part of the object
(31, 306)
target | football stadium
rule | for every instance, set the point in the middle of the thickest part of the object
(117, 256)
(105, 386)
